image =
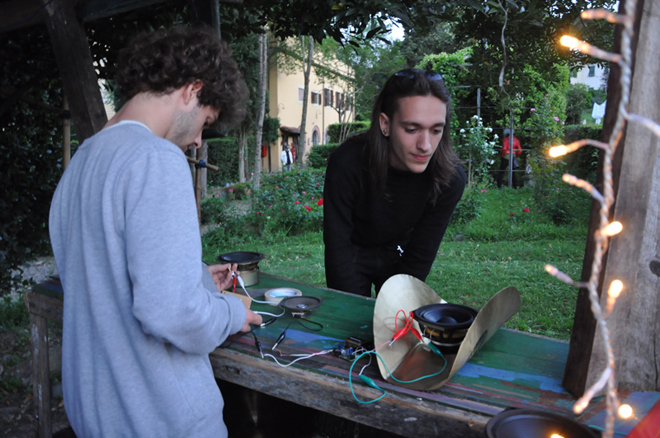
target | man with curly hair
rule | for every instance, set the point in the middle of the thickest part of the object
(141, 311)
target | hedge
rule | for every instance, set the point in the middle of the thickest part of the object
(223, 152)
(334, 130)
(318, 156)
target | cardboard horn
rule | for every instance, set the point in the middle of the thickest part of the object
(409, 359)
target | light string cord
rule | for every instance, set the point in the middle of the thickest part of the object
(606, 200)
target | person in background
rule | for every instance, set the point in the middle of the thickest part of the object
(141, 310)
(391, 191)
(286, 157)
(293, 152)
(504, 161)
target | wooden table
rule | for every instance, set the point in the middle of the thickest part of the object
(513, 369)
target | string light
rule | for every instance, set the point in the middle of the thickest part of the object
(588, 49)
(625, 411)
(606, 200)
(612, 229)
(604, 14)
(615, 289)
(556, 435)
(612, 294)
(558, 151)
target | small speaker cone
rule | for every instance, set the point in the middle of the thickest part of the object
(445, 324)
(300, 306)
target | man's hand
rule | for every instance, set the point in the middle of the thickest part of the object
(222, 275)
(251, 318)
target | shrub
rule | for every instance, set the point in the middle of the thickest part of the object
(583, 163)
(469, 207)
(214, 210)
(477, 147)
(289, 202)
(334, 130)
(318, 156)
(578, 99)
(223, 152)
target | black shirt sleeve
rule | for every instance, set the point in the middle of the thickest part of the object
(420, 252)
(342, 186)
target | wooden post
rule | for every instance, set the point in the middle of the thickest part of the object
(66, 133)
(634, 324)
(203, 154)
(74, 60)
(198, 188)
(40, 373)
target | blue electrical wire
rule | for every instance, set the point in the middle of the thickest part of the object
(371, 383)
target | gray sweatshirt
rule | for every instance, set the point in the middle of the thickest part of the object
(139, 321)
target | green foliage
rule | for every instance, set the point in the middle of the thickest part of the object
(578, 99)
(13, 313)
(476, 146)
(583, 163)
(544, 125)
(271, 130)
(334, 130)
(238, 191)
(223, 152)
(454, 68)
(470, 205)
(290, 202)
(30, 149)
(318, 156)
(215, 209)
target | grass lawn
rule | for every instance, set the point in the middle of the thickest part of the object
(475, 260)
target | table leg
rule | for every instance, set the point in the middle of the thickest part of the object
(41, 374)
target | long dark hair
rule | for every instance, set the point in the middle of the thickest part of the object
(407, 83)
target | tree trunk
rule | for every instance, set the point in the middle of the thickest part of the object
(241, 155)
(307, 68)
(263, 75)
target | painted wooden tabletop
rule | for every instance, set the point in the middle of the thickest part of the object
(514, 369)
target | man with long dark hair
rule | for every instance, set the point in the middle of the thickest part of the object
(141, 312)
(390, 192)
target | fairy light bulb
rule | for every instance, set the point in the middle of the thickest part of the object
(569, 41)
(615, 289)
(558, 151)
(556, 435)
(612, 229)
(625, 411)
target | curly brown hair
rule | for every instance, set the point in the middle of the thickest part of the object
(167, 59)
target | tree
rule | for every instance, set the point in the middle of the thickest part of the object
(261, 106)
(308, 55)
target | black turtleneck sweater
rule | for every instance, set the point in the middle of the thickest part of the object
(356, 216)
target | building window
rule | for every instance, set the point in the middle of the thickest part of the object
(592, 71)
(338, 100)
(301, 94)
(315, 136)
(574, 73)
(316, 98)
(327, 97)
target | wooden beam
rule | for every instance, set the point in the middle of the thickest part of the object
(17, 14)
(584, 324)
(75, 63)
(635, 323)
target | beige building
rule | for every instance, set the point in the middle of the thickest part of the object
(329, 98)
